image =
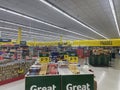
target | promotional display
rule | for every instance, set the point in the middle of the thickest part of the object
(53, 76)
(60, 82)
(77, 82)
(100, 57)
(43, 83)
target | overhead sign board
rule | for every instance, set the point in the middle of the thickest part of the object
(5, 40)
(23, 43)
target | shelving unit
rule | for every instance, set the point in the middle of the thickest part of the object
(13, 66)
(13, 70)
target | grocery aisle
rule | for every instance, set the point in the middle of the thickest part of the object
(107, 78)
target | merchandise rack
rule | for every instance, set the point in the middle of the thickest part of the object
(12, 80)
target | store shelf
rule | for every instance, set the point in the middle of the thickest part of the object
(12, 80)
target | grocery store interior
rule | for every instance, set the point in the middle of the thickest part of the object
(59, 45)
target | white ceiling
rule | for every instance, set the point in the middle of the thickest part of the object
(40, 21)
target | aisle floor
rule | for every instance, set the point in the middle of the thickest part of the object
(107, 78)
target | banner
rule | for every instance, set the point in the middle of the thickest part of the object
(77, 82)
(43, 83)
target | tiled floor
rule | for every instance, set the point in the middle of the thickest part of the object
(108, 78)
(18, 85)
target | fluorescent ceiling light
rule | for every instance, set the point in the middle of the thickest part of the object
(23, 36)
(114, 15)
(72, 18)
(33, 19)
(48, 36)
(28, 32)
(8, 29)
(74, 37)
(20, 25)
(26, 35)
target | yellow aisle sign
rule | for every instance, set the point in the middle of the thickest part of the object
(110, 42)
(101, 42)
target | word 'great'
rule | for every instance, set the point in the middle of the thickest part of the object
(77, 87)
(34, 87)
(68, 87)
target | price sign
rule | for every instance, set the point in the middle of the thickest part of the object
(44, 59)
(73, 59)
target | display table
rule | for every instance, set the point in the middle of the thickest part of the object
(64, 80)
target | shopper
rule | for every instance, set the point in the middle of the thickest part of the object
(113, 53)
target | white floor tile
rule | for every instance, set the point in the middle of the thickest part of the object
(107, 78)
(17, 85)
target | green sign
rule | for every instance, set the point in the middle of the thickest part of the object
(43, 83)
(43, 55)
(5, 40)
(77, 82)
(72, 54)
(23, 43)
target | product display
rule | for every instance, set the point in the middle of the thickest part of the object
(52, 69)
(56, 73)
(12, 69)
(100, 57)
(43, 70)
(74, 69)
(63, 63)
(12, 64)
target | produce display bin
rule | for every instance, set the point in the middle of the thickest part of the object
(99, 60)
